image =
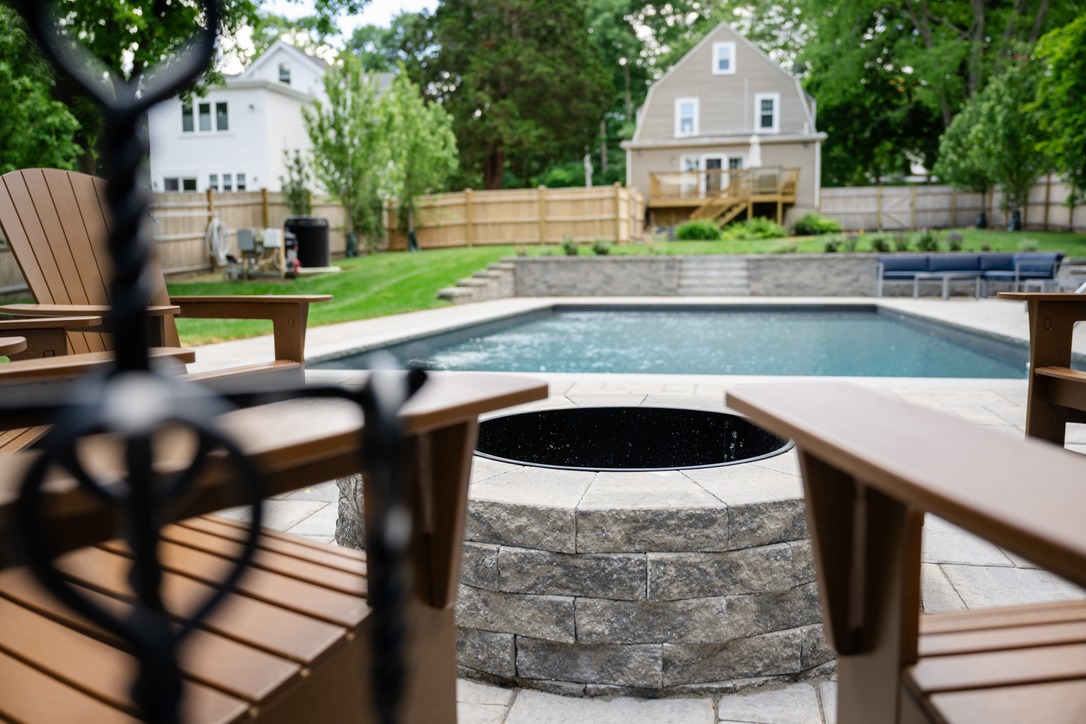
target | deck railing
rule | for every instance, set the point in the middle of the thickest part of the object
(694, 185)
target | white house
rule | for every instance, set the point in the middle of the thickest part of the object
(233, 139)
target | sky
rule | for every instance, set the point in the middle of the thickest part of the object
(378, 12)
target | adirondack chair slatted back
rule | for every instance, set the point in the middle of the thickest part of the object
(57, 225)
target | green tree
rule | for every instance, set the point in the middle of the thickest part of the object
(421, 144)
(521, 80)
(1061, 103)
(996, 138)
(384, 49)
(350, 157)
(295, 185)
(35, 129)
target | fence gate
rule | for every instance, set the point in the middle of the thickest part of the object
(895, 208)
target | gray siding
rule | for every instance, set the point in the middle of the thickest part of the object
(727, 102)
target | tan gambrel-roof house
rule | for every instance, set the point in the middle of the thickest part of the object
(726, 134)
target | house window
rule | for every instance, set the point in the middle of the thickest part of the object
(735, 162)
(213, 182)
(284, 73)
(240, 182)
(227, 184)
(767, 112)
(222, 118)
(188, 184)
(205, 117)
(686, 116)
(723, 58)
(187, 125)
(171, 184)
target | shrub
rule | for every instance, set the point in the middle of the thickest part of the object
(851, 242)
(788, 247)
(601, 247)
(1028, 245)
(698, 230)
(880, 243)
(833, 244)
(757, 228)
(569, 246)
(927, 242)
(813, 224)
(954, 241)
(901, 242)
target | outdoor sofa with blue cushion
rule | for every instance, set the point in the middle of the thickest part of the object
(994, 266)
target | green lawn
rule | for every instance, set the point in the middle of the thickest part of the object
(395, 282)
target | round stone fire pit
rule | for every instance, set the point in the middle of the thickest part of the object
(653, 581)
(625, 438)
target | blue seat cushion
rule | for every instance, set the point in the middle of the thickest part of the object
(954, 263)
(997, 261)
(1037, 265)
(898, 266)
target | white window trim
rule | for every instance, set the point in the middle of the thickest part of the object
(678, 117)
(758, 98)
(730, 45)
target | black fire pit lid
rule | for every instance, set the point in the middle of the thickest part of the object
(625, 439)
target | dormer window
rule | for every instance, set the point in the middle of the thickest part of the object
(767, 112)
(686, 117)
(723, 58)
(284, 73)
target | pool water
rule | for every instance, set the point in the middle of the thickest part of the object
(847, 341)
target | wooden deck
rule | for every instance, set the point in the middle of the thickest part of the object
(720, 195)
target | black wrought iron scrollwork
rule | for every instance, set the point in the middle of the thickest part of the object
(133, 405)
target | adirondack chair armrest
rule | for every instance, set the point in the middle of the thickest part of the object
(45, 336)
(971, 476)
(155, 313)
(288, 314)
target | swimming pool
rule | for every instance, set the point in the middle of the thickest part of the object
(840, 340)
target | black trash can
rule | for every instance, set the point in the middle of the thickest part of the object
(312, 235)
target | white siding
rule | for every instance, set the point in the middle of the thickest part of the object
(238, 150)
(285, 130)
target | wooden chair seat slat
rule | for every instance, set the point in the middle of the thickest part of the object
(1061, 702)
(64, 655)
(350, 583)
(28, 695)
(995, 618)
(216, 661)
(335, 607)
(1002, 639)
(344, 559)
(297, 637)
(993, 669)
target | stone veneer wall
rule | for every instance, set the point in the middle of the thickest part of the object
(813, 275)
(607, 276)
(634, 583)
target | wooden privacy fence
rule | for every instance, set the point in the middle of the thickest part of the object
(523, 216)
(913, 207)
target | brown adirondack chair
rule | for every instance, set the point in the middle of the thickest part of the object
(872, 466)
(291, 644)
(1057, 393)
(57, 226)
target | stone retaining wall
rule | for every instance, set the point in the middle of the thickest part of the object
(633, 276)
(812, 275)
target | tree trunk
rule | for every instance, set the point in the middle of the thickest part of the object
(494, 168)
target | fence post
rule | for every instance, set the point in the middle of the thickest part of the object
(912, 207)
(469, 236)
(878, 207)
(618, 212)
(264, 207)
(953, 207)
(1048, 196)
(542, 204)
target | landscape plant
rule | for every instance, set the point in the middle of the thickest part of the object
(901, 242)
(350, 156)
(421, 147)
(758, 227)
(601, 247)
(813, 224)
(569, 247)
(1061, 103)
(295, 185)
(880, 243)
(698, 230)
(927, 242)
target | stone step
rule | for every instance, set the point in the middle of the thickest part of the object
(714, 291)
(454, 293)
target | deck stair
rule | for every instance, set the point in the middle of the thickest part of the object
(713, 275)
